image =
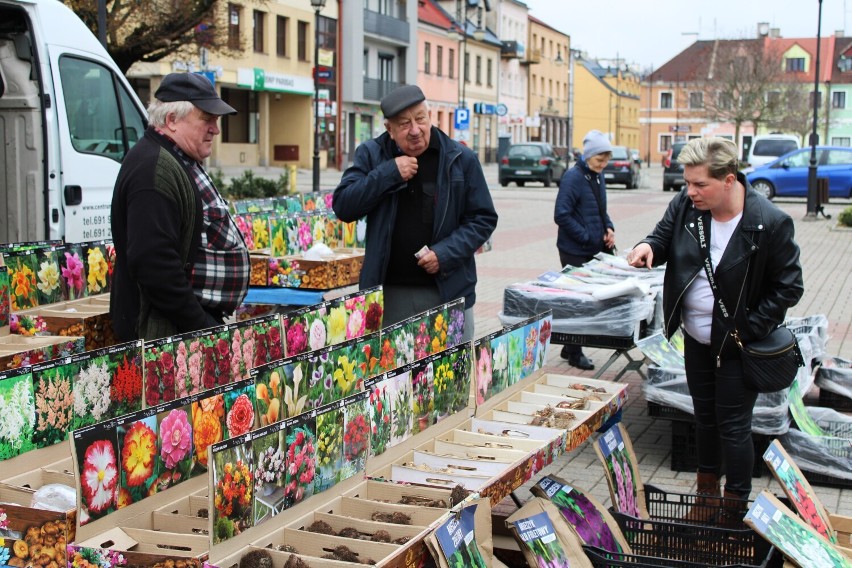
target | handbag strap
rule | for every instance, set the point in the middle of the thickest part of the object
(704, 246)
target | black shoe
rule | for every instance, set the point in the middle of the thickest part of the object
(567, 353)
(581, 362)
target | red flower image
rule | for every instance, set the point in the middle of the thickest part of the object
(241, 416)
(127, 383)
(355, 438)
(374, 317)
(276, 348)
(137, 454)
(100, 476)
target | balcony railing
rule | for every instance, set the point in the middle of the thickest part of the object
(387, 26)
(376, 89)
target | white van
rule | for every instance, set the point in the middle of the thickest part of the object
(766, 148)
(67, 119)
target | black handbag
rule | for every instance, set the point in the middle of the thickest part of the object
(769, 364)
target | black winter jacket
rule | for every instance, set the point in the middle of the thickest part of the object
(761, 262)
(464, 212)
(581, 228)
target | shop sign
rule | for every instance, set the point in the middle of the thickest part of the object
(260, 80)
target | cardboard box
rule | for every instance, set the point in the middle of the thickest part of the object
(147, 547)
(18, 351)
(343, 269)
(86, 318)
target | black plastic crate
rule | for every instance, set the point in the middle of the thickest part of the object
(685, 448)
(597, 341)
(833, 400)
(827, 480)
(670, 506)
(656, 410)
(604, 559)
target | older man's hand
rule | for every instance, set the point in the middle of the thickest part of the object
(429, 262)
(407, 167)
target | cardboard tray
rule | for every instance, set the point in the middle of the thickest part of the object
(13, 348)
(294, 271)
(87, 317)
(147, 547)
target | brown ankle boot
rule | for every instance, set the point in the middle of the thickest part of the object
(707, 501)
(733, 511)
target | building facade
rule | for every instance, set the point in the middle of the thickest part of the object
(548, 92)
(606, 98)
(438, 64)
(509, 19)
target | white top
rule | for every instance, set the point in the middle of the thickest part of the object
(697, 313)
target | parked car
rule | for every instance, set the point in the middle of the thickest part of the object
(672, 171)
(788, 175)
(531, 161)
(768, 147)
(621, 168)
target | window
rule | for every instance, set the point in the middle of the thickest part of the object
(773, 98)
(478, 69)
(696, 100)
(488, 73)
(466, 67)
(794, 64)
(281, 36)
(665, 142)
(258, 22)
(452, 63)
(839, 157)
(99, 122)
(440, 57)
(366, 62)
(811, 99)
(303, 41)
(240, 128)
(427, 58)
(838, 99)
(666, 100)
(840, 141)
(233, 26)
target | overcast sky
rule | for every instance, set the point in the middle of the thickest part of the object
(650, 32)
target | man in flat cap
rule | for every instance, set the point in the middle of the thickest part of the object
(428, 210)
(180, 261)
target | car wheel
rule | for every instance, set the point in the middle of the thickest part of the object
(504, 183)
(520, 183)
(667, 187)
(548, 178)
(764, 188)
(633, 182)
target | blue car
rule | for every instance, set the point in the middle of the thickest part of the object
(787, 176)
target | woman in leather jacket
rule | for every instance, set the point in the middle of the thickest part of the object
(755, 265)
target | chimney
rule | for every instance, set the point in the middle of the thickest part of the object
(762, 29)
(774, 33)
(839, 33)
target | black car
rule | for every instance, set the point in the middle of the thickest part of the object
(672, 171)
(621, 168)
(531, 161)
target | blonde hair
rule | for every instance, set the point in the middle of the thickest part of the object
(718, 154)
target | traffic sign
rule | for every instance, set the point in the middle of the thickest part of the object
(461, 119)
(502, 110)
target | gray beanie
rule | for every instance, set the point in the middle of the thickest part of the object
(595, 143)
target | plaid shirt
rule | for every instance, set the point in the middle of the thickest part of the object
(220, 275)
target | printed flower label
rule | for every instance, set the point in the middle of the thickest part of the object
(457, 542)
(611, 441)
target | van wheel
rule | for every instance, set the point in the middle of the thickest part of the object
(764, 188)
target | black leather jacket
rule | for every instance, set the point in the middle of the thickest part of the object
(761, 264)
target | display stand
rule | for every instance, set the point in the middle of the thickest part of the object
(621, 347)
(283, 296)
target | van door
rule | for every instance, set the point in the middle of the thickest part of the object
(98, 122)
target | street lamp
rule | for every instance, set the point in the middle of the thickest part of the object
(811, 213)
(317, 6)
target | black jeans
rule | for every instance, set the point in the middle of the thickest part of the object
(723, 411)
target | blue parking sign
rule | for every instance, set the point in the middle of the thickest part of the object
(461, 119)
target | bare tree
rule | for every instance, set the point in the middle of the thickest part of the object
(795, 111)
(152, 30)
(739, 75)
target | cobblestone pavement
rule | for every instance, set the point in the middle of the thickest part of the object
(525, 246)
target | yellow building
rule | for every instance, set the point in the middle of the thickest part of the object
(271, 85)
(547, 114)
(606, 99)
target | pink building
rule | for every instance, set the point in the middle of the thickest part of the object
(437, 63)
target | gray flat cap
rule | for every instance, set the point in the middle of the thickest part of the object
(400, 99)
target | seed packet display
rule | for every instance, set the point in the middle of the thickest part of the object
(260, 230)
(269, 391)
(585, 514)
(18, 412)
(24, 292)
(267, 340)
(455, 323)
(269, 450)
(300, 455)
(232, 483)
(201, 360)
(484, 364)
(797, 540)
(456, 541)
(97, 458)
(450, 381)
(422, 393)
(402, 405)
(295, 328)
(208, 425)
(277, 236)
(138, 456)
(98, 270)
(543, 538)
(242, 338)
(159, 371)
(106, 383)
(48, 279)
(380, 393)
(329, 442)
(54, 401)
(240, 416)
(175, 448)
(72, 269)
(5, 306)
(626, 490)
(356, 435)
(243, 223)
(798, 490)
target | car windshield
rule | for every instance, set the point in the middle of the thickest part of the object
(619, 153)
(525, 152)
(773, 147)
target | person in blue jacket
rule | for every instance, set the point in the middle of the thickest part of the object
(428, 210)
(585, 228)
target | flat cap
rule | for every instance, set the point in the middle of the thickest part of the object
(400, 99)
(194, 88)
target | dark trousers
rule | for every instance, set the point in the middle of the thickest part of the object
(573, 260)
(723, 411)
